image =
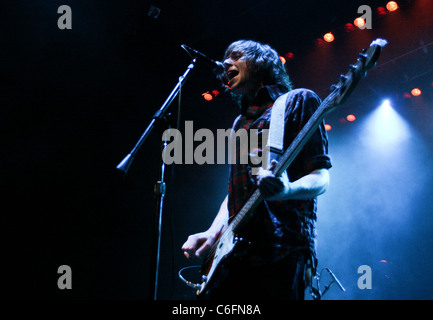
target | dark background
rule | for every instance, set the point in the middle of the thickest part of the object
(74, 103)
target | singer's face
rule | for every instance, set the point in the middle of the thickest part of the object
(239, 76)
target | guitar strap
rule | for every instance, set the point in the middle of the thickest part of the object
(276, 147)
(275, 144)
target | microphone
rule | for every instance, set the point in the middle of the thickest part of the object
(217, 66)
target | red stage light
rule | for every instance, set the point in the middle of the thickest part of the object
(328, 127)
(416, 92)
(207, 96)
(348, 27)
(319, 42)
(289, 56)
(283, 60)
(407, 95)
(381, 11)
(392, 6)
(359, 22)
(351, 118)
(329, 37)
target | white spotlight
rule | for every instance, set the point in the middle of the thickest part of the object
(384, 130)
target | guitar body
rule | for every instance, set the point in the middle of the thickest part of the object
(214, 269)
(227, 250)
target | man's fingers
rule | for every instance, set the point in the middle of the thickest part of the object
(270, 186)
(272, 165)
(189, 246)
(264, 176)
(206, 245)
(200, 240)
(188, 252)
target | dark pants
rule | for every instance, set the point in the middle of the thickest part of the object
(283, 280)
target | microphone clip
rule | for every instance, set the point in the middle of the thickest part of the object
(217, 66)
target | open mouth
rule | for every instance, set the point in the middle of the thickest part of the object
(232, 73)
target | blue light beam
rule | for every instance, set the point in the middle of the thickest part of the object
(385, 130)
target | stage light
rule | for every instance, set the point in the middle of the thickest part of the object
(381, 11)
(392, 6)
(386, 105)
(407, 95)
(319, 42)
(416, 92)
(348, 27)
(289, 56)
(384, 129)
(283, 60)
(207, 96)
(329, 37)
(328, 127)
(359, 22)
(351, 118)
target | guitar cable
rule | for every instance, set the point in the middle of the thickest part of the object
(189, 283)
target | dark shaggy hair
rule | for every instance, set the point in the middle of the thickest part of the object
(262, 61)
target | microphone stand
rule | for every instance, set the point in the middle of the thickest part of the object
(159, 188)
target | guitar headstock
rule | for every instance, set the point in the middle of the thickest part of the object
(366, 60)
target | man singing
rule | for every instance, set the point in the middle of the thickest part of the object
(282, 255)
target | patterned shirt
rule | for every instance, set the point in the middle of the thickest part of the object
(279, 227)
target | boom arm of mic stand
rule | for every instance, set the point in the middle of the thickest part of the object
(125, 164)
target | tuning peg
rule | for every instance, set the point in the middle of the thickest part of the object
(343, 78)
(362, 57)
(333, 87)
(352, 67)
